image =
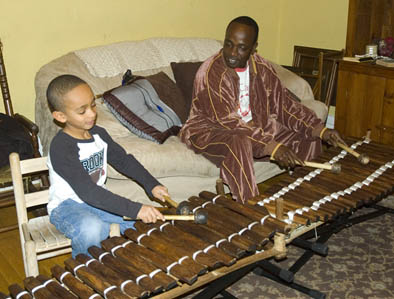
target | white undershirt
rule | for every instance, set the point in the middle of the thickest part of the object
(244, 105)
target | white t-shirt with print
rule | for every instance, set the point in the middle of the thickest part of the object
(244, 105)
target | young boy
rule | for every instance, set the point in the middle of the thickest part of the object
(79, 205)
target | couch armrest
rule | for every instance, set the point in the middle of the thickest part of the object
(301, 88)
(294, 83)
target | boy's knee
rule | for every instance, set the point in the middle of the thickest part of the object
(95, 229)
(92, 231)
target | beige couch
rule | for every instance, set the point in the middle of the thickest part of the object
(175, 166)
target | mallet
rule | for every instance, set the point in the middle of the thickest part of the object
(335, 168)
(199, 217)
(362, 158)
(181, 209)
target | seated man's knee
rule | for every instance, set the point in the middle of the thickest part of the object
(240, 143)
(239, 138)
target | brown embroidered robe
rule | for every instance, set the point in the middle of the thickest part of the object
(215, 130)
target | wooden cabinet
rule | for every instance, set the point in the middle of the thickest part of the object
(365, 91)
(368, 22)
(365, 100)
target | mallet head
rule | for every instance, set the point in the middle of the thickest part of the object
(336, 168)
(183, 208)
(363, 159)
(201, 216)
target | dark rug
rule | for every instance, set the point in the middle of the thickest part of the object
(360, 264)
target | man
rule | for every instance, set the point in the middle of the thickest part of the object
(241, 112)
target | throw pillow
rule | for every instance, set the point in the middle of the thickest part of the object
(169, 93)
(184, 74)
(139, 107)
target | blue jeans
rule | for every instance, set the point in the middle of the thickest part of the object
(85, 225)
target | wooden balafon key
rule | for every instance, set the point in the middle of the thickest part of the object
(167, 256)
(328, 196)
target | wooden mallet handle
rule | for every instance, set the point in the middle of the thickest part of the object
(169, 217)
(170, 201)
(199, 217)
(335, 168)
(362, 158)
(179, 217)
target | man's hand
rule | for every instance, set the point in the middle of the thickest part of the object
(332, 137)
(286, 158)
(159, 192)
(149, 214)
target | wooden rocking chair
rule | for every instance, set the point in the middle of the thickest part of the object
(39, 238)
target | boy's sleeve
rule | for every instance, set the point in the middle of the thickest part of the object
(128, 164)
(65, 163)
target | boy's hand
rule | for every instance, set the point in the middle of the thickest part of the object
(149, 214)
(159, 192)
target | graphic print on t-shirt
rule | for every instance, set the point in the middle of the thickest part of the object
(94, 165)
(244, 106)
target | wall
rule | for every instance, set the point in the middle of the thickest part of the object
(35, 32)
(314, 23)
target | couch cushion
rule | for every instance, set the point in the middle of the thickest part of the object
(138, 107)
(184, 74)
(170, 159)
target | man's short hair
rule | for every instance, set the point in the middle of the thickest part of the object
(245, 20)
(58, 88)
